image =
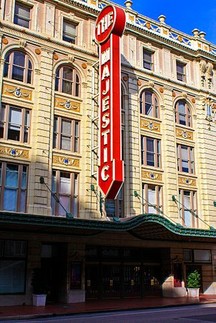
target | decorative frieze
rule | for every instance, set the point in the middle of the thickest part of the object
(70, 162)
(67, 104)
(184, 133)
(150, 125)
(16, 91)
(14, 152)
(187, 181)
(151, 175)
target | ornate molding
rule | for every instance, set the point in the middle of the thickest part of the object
(151, 175)
(186, 181)
(17, 91)
(184, 134)
(14, 152)
(150, 125)
(66, 161)
(67, 104)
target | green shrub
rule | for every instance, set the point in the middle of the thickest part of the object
(193, 279)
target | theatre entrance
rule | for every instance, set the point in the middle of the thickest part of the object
(124, 272)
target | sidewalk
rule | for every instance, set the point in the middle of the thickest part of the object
(27, 311)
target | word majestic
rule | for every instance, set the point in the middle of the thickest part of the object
(105, 112)
(109, 27)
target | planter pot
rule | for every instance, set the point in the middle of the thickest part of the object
(39, 299)
(193, 292)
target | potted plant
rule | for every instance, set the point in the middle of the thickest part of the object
(193, 284)
(39, 287)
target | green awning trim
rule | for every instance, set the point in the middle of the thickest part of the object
(100, 225)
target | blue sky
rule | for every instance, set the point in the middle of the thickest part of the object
(184, 15)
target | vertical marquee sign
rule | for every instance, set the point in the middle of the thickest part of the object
(110, 25)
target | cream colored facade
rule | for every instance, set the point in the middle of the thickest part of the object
(46, 49)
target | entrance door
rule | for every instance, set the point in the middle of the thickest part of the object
(151, 280)
(111, 281)
(54, 268)
(92, 281)
(132, 280)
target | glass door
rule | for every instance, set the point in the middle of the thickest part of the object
(132, 281)
(111, 281)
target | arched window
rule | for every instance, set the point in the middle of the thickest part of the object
(182, 113)
(18, 66)
(149, 104)
(67, 80)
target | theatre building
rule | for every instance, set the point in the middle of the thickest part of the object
(54, 216)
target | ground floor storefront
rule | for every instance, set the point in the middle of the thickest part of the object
(82, 260)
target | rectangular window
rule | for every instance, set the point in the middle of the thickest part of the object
(13, 187)
(12, 266)
(180, 69)
(185, 159)
(197, 255)
(66, 134)
(188, 209)
(14, 123)
(150, 151)
(202, 256)
(69, 31)
(22, 15)
(64, 193)
(147, 59)
(114, 208)
(152, 198)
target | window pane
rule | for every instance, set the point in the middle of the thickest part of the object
(147, 60)
(65, 143)
(15, 121)
(22, 15)
(66, 127)
(19, 59)
(22, 206)
(67, 73)
(64, 187)
(66, 87)
(15, 248)
(150, 144)
(202, 256)
(187, 207)
(17, 73)
(24, 178)
(10, 200)
(65, 202)
(75, 199)
(76, 138)
(150, 159)
(69, 32)
(148, 104)
(12, 176)
(2, 120)
(12, 276)
(54, 182)
(110, 208)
